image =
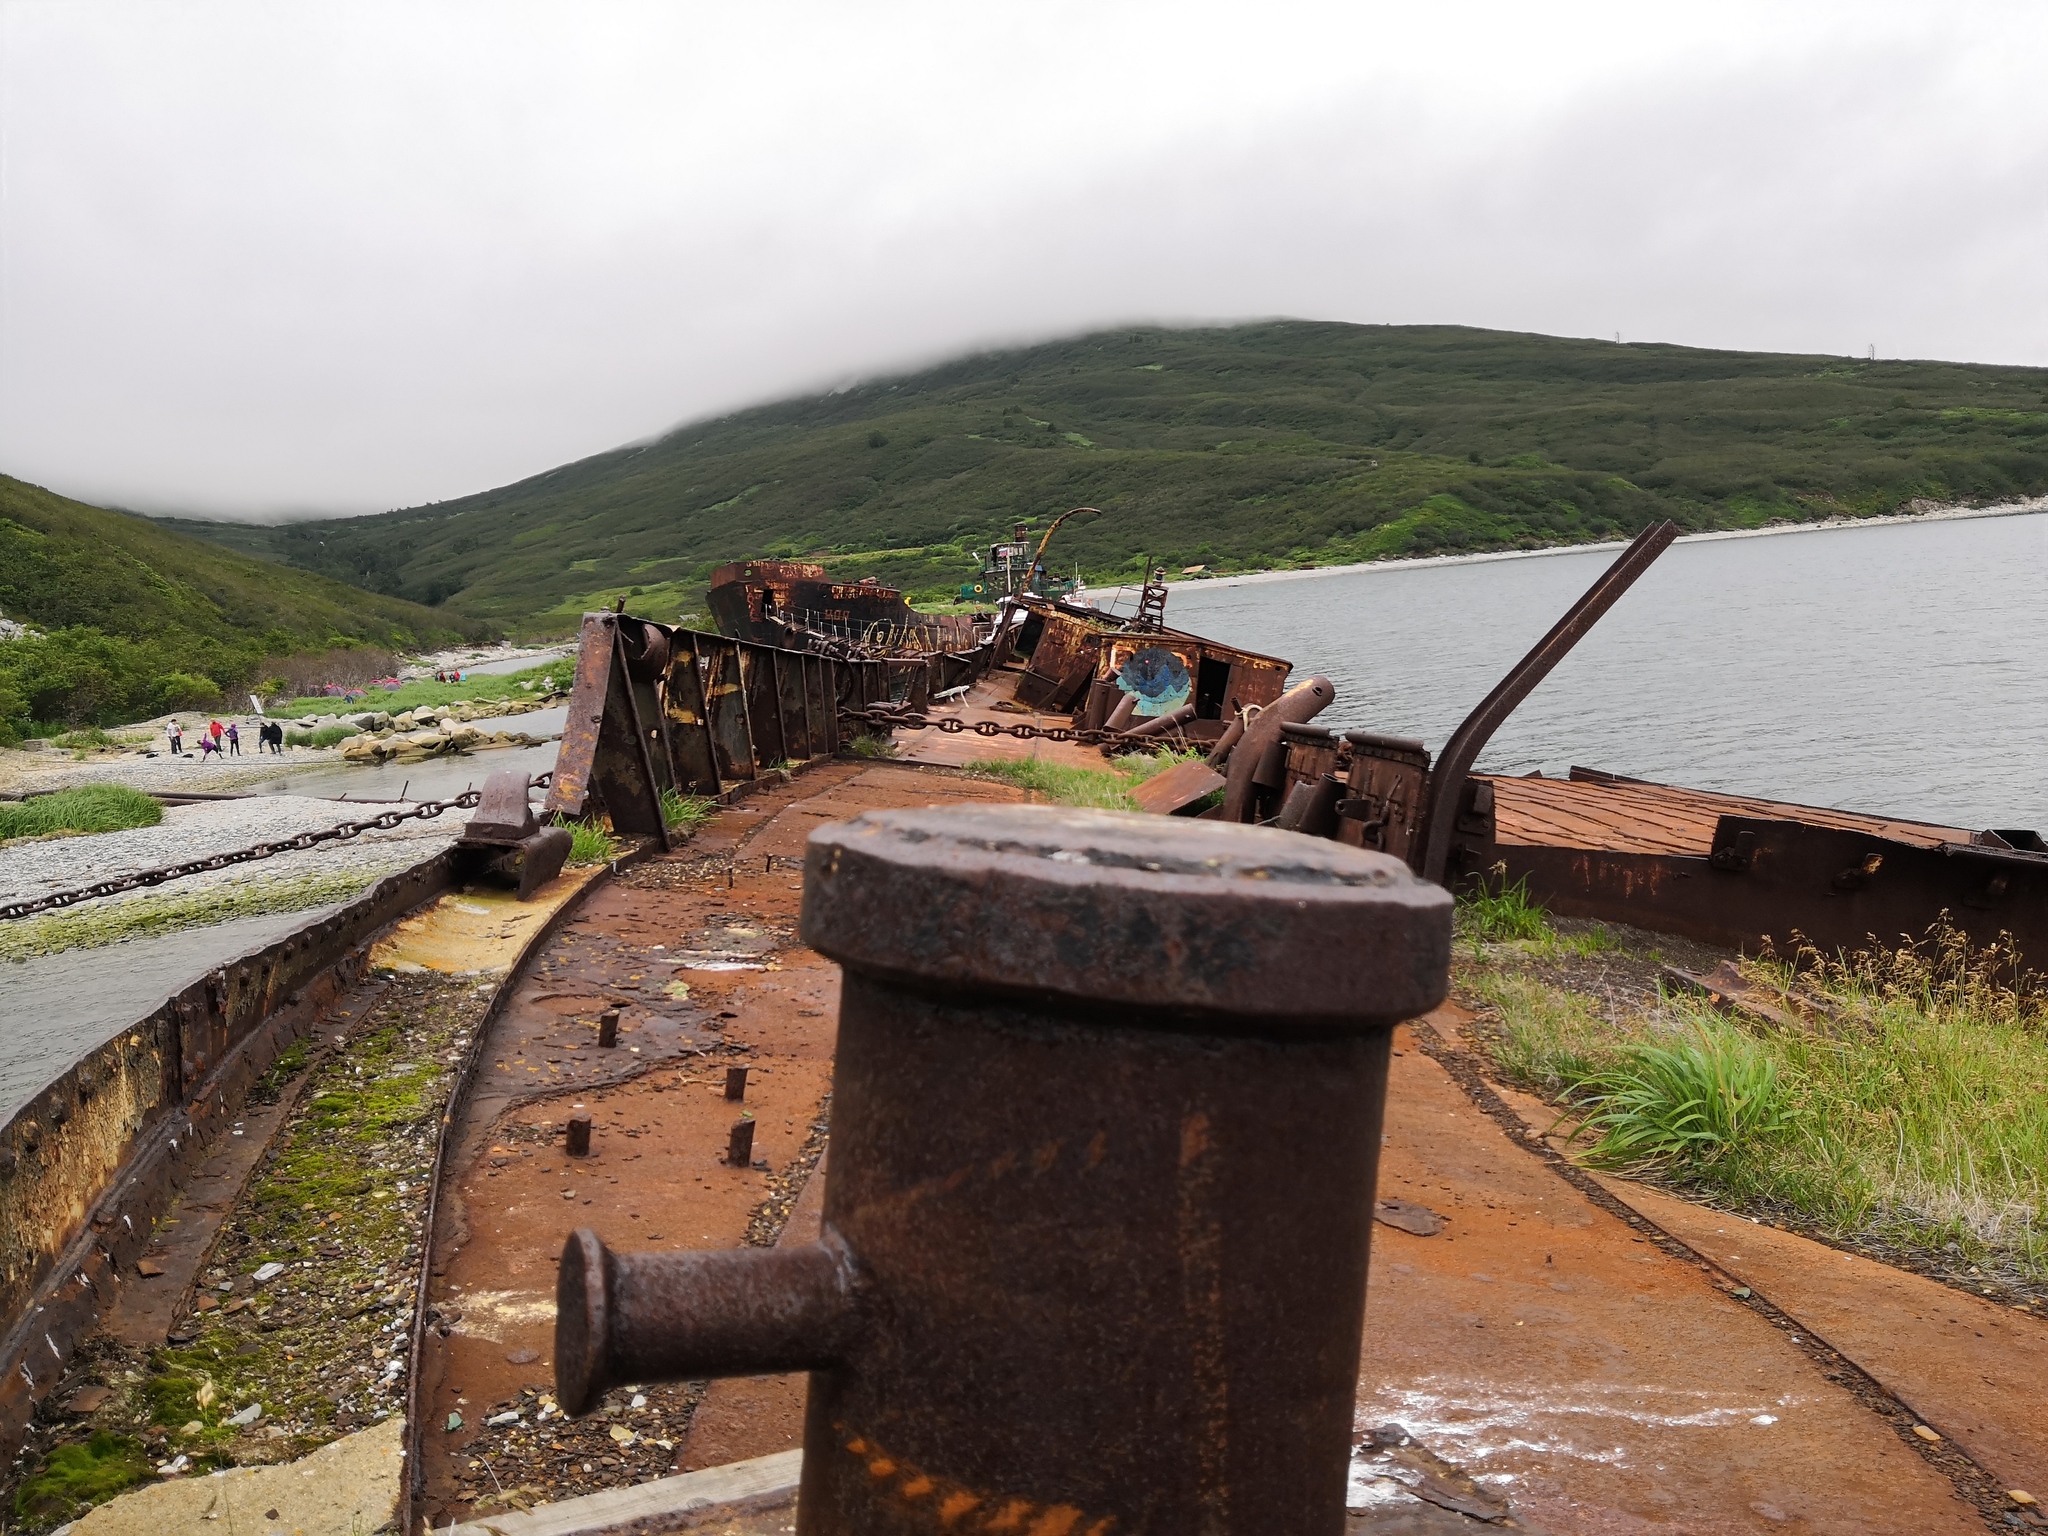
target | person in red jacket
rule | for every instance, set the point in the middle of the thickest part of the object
(214, 730)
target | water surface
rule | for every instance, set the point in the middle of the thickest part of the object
(1900, 668)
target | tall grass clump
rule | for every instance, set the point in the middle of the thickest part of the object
(1908, 1104)
(88, 808)
(1493, 915)
(589, 842)
(689, 812)
(1684, 1105)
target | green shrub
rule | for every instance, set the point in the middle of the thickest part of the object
(88, 808)
(185, 690)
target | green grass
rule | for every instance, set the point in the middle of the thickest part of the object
(88, 808)
(1107, 788)
(76, 1476)
(1277, 444)
(688, 812)
(1487, 915)
(1913, 1112)
(477, 690)
(322, 736)
(590, 843)
(137, 618)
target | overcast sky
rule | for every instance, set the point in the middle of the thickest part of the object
(272, 259)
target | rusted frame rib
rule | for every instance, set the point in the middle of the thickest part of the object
(1447, 782)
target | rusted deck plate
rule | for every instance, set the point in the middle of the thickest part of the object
(1590, 1377)
(699, 950)
(1976, 1372)
(941, 750)
(1662, 818)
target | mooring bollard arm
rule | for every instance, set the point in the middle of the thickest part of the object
(639, 1317)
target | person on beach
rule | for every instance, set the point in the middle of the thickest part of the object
(234, 740)
(273, 738)
(177, 734)
(214, 730)
(208, 746)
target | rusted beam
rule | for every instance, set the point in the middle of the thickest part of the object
(1447, 781)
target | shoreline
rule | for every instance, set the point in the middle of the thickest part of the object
(1958, 513)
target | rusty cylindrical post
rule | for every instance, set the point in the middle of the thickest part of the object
(579, 1134)
(1064, 1278)
(608, 1028)
(735, 1084)
(739, 1147)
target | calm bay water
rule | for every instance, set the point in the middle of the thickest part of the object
(1900, 668)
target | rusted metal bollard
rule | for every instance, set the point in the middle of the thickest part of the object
(579, 1135)
(736, 1084)
(739, 1147)
(608, 1028)
(1065, 1278)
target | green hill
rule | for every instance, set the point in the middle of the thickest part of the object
(1280, 443)
(135, 617)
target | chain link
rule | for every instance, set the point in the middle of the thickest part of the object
(953, 725)
(384, 821)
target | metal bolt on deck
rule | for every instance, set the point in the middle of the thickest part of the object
(1064, 1281)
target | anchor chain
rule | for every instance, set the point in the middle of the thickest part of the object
(141, 879)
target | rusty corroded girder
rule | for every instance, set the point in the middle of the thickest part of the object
(1069, 1276)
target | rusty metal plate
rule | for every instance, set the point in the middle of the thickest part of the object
(1165, 794)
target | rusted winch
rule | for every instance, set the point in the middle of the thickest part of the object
(505, 841)
(1105, 1129)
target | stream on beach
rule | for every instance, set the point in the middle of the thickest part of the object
(1898, 668)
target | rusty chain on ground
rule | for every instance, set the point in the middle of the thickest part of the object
(143, 878)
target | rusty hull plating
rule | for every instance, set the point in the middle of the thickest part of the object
(1068, 1274)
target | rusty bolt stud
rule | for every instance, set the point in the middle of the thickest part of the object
(736, 1084)
(1060, 1274)
(579, 1134)
(739, 1149)
(608, 1028)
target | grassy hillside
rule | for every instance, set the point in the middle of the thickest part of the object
(136, 618)
(1282, 443)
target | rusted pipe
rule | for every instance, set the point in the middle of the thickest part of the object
(1158, 725)
(661, 1316)
(1304, 701)
(735, 1084)
(1059, 1280)
(1120, 716)
(608, 1028)
(578, 1135)
(739, 1146)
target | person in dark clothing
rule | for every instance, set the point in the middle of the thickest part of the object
(234, 739)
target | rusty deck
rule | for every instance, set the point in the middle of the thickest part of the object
(1594, 1375)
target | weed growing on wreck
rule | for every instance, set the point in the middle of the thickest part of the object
(139, 917)
(689, 812)
(589, 842)
(1100, 789)
(865, 745)
(75, 1477)
(1681, 1107)
(1490, 916)
(88, 808)
(1909, 1107)
(1104, 789)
